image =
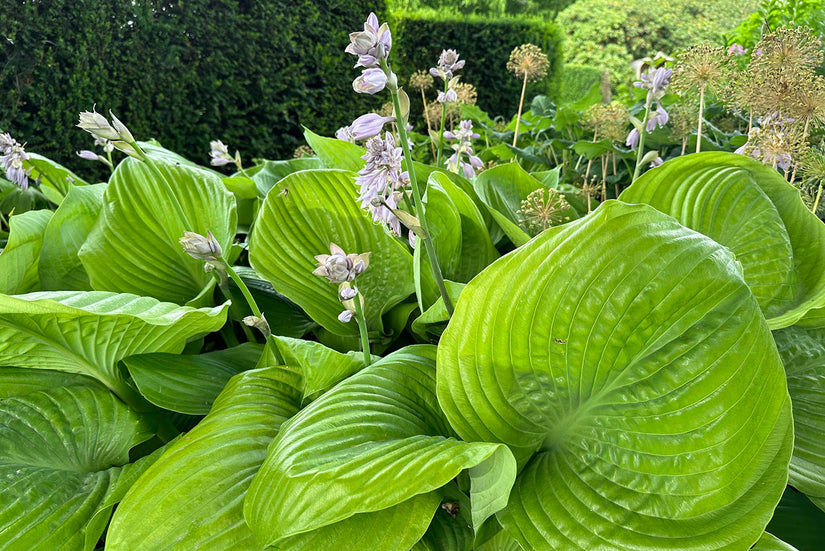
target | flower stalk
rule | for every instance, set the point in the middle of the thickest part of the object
(362, 328)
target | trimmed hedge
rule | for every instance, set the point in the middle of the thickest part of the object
(485, 44)
(246, 72)
(577, 81)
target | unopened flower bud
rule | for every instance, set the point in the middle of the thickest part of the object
(88, 155)
(122, 131)
(258, 323)
(339, 266)
(371, 81)
(200, 247)
(219, 154)
(367, 126)
(345, 316)
(346, 292)
(96, 124)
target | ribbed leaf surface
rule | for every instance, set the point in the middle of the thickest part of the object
(18, 260)
(629, 352)
(192, 497)
(64, 453)
(374, 441)
(89, 332)
(301, 216)
(148, 206)
(749, 208)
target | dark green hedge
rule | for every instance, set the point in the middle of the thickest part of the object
(485, 44)
(185, 71)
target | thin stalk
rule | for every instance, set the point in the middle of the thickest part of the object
(701, 113)
(818, 197)
(441, 130)
(804, 139)
(520, 104)
(684, 145)
(604, 178)
(641, 146)
(427, 118)
(362, 327)
(590, 161)
(613, 154)
(111, 164)
(271, 340)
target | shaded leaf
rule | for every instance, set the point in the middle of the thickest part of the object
(18, 260)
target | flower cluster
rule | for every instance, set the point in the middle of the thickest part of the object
(776, 141)
(364, 127)
(543, 208)
(655, 81)
(463, 146)
(12, 156)
(702, 67)
(381, 180)
(219, 154)
(371, 46)
(114, 133)
(445, 69)
(341, 268)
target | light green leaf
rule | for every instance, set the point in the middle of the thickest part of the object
(321, 367)
(89, 332)
(62, 454)
(271, 172)
(372, 442)
(431, 324)
(335, 153)
(134, 247)
(748, 207)
(461, 240)
(803, 354)
(55, 179)
(449, 531)
(18, 260)
(769, 542)
(60, 268)
(189, 383)
(299, 219)
(625, 362)
(17, 381)
(192, 497)
(241, 186)
(502, 541)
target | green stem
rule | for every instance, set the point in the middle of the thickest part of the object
(111, 164)
(417, 202)
(362, 327)
(520, 105)
(640, 150)
(441, 130)
(271, 340)
(818, 197)
(701, 113)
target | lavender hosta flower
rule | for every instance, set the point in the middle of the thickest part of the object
(339, 266)
(88, 155)
(463, 136)
(448, 64)
(12, 156)
(372, 44)
(655, 81)
(658, 161)
(380, 178)
(632, 140)
(200, 247)
(345, 134)
(447, 97)
(658, 118)
(741, 150)
(346, 316)
(369, 125)
(737, 49)
(371, 81)
(219, 154)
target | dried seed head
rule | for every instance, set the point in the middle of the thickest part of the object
(421, 81)
(543, 208)
(528, 61)
(701, 68)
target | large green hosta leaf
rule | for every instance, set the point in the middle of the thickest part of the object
(192, 498)
(89, 332)
(147, 206)
(60, 268)
(374, 442)
(803, 353)
(64, 463)
(300, 217)
(748, 207)
(18, 260)
(624, 360)
(769, 542)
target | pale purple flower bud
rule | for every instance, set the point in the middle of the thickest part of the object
(369, 125)
(122, 131)
(347, 293)
(371, 81)
(345, 316)
(372, 44)
(448, 63)
(449, 97)
(96, 124)
(659, 118)
(339, 266)
(655, 81)
(741, 150)
(88, 155)
(200, 247)
(656, 162)
(633, 139)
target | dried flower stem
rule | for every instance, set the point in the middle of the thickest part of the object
(362, 328)
(427, 118)
(818, 197)
(417, 202)
(520, 104)
(701, 116)
(590, 161)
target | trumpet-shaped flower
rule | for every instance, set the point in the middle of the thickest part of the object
(463, 147)
(380, 179)
(12, 156)
(448, 64)
(367, 126)
(372, 44)
(370, 81)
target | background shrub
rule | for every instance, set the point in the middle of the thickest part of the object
(486, 44)
(246, 72)
(612, 33)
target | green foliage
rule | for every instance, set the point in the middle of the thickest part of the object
(611, 33)
(248, 73)
(773, 14)
(577, 80)
(485, 44)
